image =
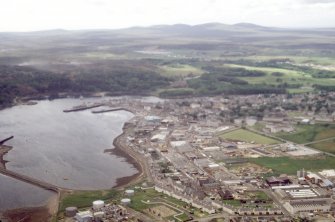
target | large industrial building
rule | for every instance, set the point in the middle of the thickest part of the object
(313, 205)
(297, 199)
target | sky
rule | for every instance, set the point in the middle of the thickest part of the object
(33, 15)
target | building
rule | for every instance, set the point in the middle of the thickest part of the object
(278, 181)
(301, 173)
(307, 205)
(84, 216)
(225, 195)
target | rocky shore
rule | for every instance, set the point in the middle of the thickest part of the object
(3, 151)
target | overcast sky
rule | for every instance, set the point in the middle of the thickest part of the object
(29, 15)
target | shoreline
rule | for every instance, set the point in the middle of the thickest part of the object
(132, 158)
(3, 151)
(50, 209)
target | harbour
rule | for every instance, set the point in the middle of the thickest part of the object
(50, 176)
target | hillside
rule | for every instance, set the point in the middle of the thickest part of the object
(159, 60)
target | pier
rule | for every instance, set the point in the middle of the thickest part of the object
(111, 110)
(5, 140)
(82, 107)
(31, 180)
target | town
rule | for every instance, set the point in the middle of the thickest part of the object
(238, 158)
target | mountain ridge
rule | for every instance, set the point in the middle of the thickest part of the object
(177, 26)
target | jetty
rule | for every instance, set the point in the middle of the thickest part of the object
(4, 150)
(30, 180)
(5, 140)
(82, 107)
(111, 110)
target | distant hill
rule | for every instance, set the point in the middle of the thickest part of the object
(207, 29)
(251, 26)
(237, 39)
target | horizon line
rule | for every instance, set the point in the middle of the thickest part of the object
(174, 24)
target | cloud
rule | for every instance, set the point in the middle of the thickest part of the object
(318, 1)
(26, 15)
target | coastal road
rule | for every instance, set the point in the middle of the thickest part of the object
(138, 160)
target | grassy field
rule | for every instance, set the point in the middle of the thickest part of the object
(257, 195)
(309, 133)
(248, 136)
(321, 60)
(260, 195)
(180, 70)
(83, 199)
(287, 165)
(151, 195)
(290, 76)
(234, 203)
(300, 90)
(143, 195)
(326, 146)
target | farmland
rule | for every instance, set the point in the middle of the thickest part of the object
(287, 165)
(289, 76)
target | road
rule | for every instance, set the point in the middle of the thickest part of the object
(275, 199)
(121, 143)
(319, 141)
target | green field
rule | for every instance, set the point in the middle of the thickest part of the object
(152, 196)
(309, 133)
(250, 195)
(319, 60)
(234, 203)
(260, 195)
(248, 136)
(290, 76)
(326, 146)
(287, 165)
(83, 199)
(143, 195)
(300, 90)
(180, 70)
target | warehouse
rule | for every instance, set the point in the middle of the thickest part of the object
(315, 205)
